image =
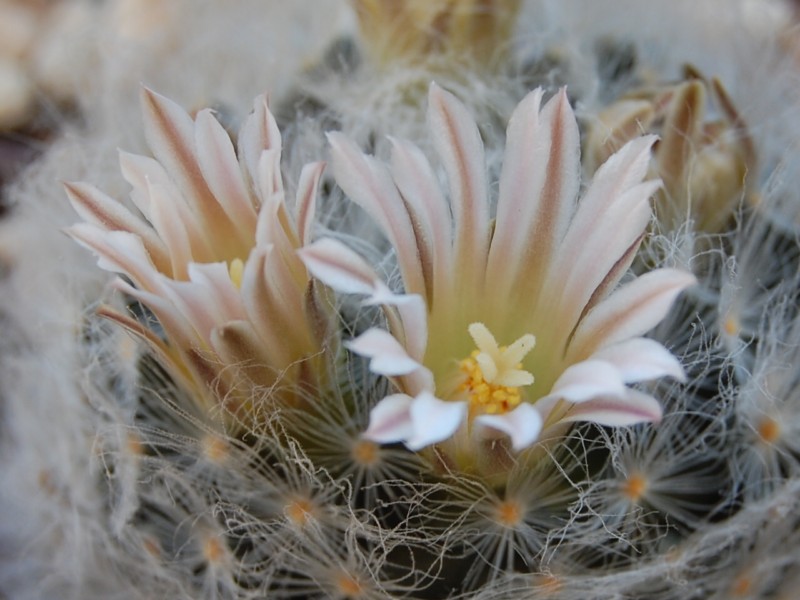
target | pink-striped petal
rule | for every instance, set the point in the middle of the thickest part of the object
(641, 359)
(96, 207)
(434, 420)
(337, 266)
(260, 132)
(117, 251)
(522, 425)
(618, 411)
(629, 312)
(539, 187)
(387, 356)
(390, 420)
(588, 379)
(459, 145)
(306, 200)
(368, 183)
(430, 214)
(223, 175)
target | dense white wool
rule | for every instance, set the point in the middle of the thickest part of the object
(72, 460)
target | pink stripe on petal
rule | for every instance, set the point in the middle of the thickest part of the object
(222, 291)
(459, 145)
(118, 252)
(414, 177)
(588, 379)
(642, 359)
(434, 420)
(535, 222)
(96, 207)
(632, 408)
(390, 420)
(306, 200)
(368, 183)
(387, 356)
(629, 312)
(339, 267)
(222, 172)
(260, 132)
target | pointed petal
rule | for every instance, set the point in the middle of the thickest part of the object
(588, 379)
(260, 132)
(607, 225)
(221, 291)
(629, 312)
(414, 322)
(96, 207)
(388, 357)
(118, 252)
(434, 420)
(537, 200)
(169, 221)
(522, 425)
(414, 177)
(169, 131)
(608, 248)
(618, 411)
(459, 145)
(337, 266)
(368, 183)
(306, 200)
(222, 172)
(390, 420)
(641, 359)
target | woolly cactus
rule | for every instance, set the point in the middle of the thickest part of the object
(489, 350)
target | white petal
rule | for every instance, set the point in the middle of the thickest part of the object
(459, 145)
(434, 420)
(642, 359)
(632, 310)
(222, 172)
(368, 183)
(102, 210)
(337, 266)
(118, 252)
(539, 191)
(522, 425)
(415, 178)
(414, 318)
(260, 132)
(390, 420)
(305, 204)
(387, 356)
(588, 379)
(618, 411)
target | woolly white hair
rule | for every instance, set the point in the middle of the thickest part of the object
(69, 383)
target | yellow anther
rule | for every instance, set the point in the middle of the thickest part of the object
(491, 368)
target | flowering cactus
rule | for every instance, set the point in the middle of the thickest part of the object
(511, 350)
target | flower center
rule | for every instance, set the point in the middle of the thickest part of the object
(494, 374)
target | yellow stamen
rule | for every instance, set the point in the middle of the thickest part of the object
(494, 373)
(236, 269)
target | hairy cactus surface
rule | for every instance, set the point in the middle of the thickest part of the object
(471, 300)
